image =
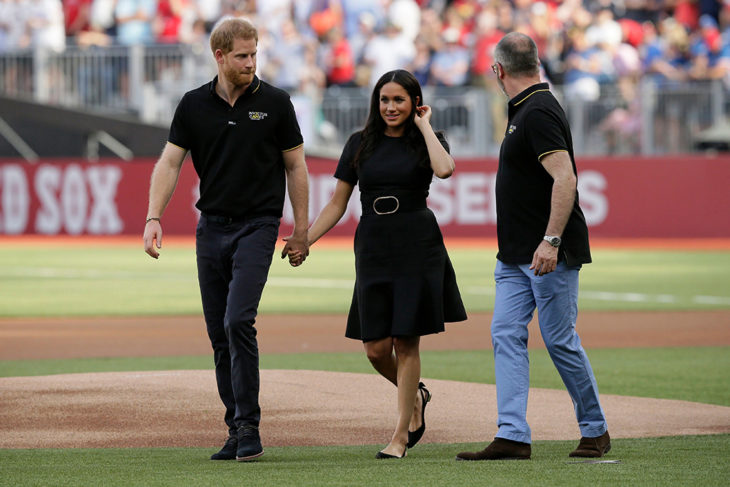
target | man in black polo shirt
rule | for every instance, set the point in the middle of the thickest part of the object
(246, 147)
(543, 241)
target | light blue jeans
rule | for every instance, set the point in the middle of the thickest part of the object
(555, 295)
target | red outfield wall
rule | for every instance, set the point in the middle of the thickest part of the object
(661, 197)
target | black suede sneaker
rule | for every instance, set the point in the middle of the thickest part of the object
(249, 444)
(228, 452)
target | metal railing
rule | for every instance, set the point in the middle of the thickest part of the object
(116, 79)
(148, 81)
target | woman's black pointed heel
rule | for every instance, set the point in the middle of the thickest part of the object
(415, 436)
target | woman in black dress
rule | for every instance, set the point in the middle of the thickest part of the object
(405, 286)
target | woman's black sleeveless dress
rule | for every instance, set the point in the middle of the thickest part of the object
(405, 284)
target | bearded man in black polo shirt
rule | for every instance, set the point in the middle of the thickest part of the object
(543, 241)
(246, 147)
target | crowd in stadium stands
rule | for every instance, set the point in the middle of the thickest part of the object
(317, 43)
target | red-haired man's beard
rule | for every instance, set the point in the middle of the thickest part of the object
(239, 78)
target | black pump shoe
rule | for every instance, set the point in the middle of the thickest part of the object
(415, 436)
(382, 456)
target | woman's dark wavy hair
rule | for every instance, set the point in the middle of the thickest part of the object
(374, 130)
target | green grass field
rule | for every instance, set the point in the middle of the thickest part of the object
(122, 280)
(119, 280)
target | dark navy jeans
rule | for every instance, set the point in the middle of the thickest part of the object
(233, 264)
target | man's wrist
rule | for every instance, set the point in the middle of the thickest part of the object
(150, 218)
(553, 240)
(299, 234)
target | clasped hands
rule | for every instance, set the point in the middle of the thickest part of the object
(296, 248)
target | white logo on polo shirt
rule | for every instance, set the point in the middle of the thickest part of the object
(257, 115)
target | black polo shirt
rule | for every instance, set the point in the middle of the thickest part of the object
(237, 150)
(536, 127)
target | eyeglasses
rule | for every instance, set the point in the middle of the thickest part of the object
(495, 68)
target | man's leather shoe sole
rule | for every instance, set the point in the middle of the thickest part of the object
(249, 457)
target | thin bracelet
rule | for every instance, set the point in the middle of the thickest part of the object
(151, 218)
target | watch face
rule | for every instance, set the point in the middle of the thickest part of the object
(554, 241)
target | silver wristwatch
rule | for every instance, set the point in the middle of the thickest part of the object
(553, 240)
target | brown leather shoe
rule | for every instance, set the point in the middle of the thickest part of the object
(593, 447)
(499, 449)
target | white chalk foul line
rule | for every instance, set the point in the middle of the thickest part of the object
(300, 282)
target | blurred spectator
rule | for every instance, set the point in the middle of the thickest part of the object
(312, 79)
(339, 62)
(666, 56)
(239, 8)
(387, 51)
(300, 14)
(505, 19)
(587, 66)
(198, 40)
(431, 28)
(364, 34)
(543, 28)
(579, 17)
(450, 65)
(521, 13)
(99, 23)
(134, 21)
(668, 63)
(420, 67)
(627, 61)
(12, 26)
(45, 24)
(468, 10)
(209, 11)
(406, 14)
(455, 21)
(604, 29)
(102, 18)
(622, 125)
(353, 11)
(687, 13)
(77, 15)
(325, 17)
(174, 20)
(273, 13)
(285, 62)
(642, 10)
(487, 36)
(96, 81)
(632, 31)
(93, 37)
(710, 52)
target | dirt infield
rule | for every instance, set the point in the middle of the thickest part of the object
(139, 409)
(40, 338)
